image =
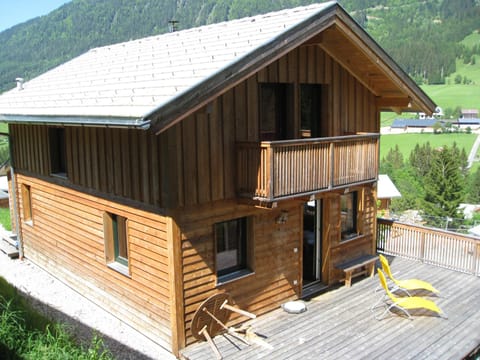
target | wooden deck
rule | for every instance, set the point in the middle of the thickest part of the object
(339, 324)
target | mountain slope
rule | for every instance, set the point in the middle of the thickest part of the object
(421, 36)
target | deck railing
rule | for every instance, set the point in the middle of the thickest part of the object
(433, 246)
(273, 170)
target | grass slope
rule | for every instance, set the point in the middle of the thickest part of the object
(406, 142)
(452, 95)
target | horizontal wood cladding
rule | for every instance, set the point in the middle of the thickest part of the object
(66, 237)
(276, 266)
(194, 162)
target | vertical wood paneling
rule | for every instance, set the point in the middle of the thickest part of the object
(302, 62)
(292, 65)
(203, 158)
(195, 162)
(145, 172)
(136, 174)
(189, 161)
(228, 137)
(252, 105)
(215, 150)
(87, 155)
(240, 105)
(126, 174)
(311, 65)
(283, 69)
(102, 161)
(155, 169)
(320, 65)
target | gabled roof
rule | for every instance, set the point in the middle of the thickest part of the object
(159, 80)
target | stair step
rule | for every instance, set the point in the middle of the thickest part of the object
(11, 239)
(8, 249)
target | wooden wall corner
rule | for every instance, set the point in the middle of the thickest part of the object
(176, 287)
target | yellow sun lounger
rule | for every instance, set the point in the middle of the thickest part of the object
(408, 284)
(402, 303)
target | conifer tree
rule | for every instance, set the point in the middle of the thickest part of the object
(444, 185)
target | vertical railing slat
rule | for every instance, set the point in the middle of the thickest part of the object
(433, 246)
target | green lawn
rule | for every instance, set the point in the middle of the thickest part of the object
(406, 142)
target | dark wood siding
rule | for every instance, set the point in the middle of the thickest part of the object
(193, 163)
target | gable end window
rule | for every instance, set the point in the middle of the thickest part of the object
(233, 258)
(58, 158)
(116, 242)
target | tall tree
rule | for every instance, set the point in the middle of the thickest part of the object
(444, 186)
(474, 188)
(420, 159)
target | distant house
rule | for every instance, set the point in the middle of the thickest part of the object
(469, 114)
(438, 113)
(413, 125)
(473, 123)
(153, 174)
(386, 191)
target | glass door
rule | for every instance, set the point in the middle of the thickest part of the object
(312, 241)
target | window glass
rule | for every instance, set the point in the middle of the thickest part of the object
(273, 111)
(116, 242)
(310, 110)
(120, 239)
(58, 160)
(348, 206)
(231, 243)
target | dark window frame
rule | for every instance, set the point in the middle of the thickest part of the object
(58, 153)
(233, 240)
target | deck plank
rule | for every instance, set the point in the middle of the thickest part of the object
(339, 324)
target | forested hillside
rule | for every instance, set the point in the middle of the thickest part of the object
(422, 36)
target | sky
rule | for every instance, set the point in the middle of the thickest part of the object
(13, 12)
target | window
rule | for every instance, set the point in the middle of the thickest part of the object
(310, 110)
(116, 242)
(232, 248)
(27, 203)
(274, 111)
(348, 206)
(58, 162)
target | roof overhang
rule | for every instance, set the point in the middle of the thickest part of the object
(337, 34)
(110, 122)
(359, 53)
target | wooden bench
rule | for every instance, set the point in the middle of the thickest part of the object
(364, 264)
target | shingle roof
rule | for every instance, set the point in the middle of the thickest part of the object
(157, 81)
(132, 78)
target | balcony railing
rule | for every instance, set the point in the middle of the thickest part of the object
(433, 246)
(274, 170)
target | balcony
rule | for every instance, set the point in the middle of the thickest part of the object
(275, 170)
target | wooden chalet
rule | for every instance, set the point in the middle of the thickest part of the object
(239, 157)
